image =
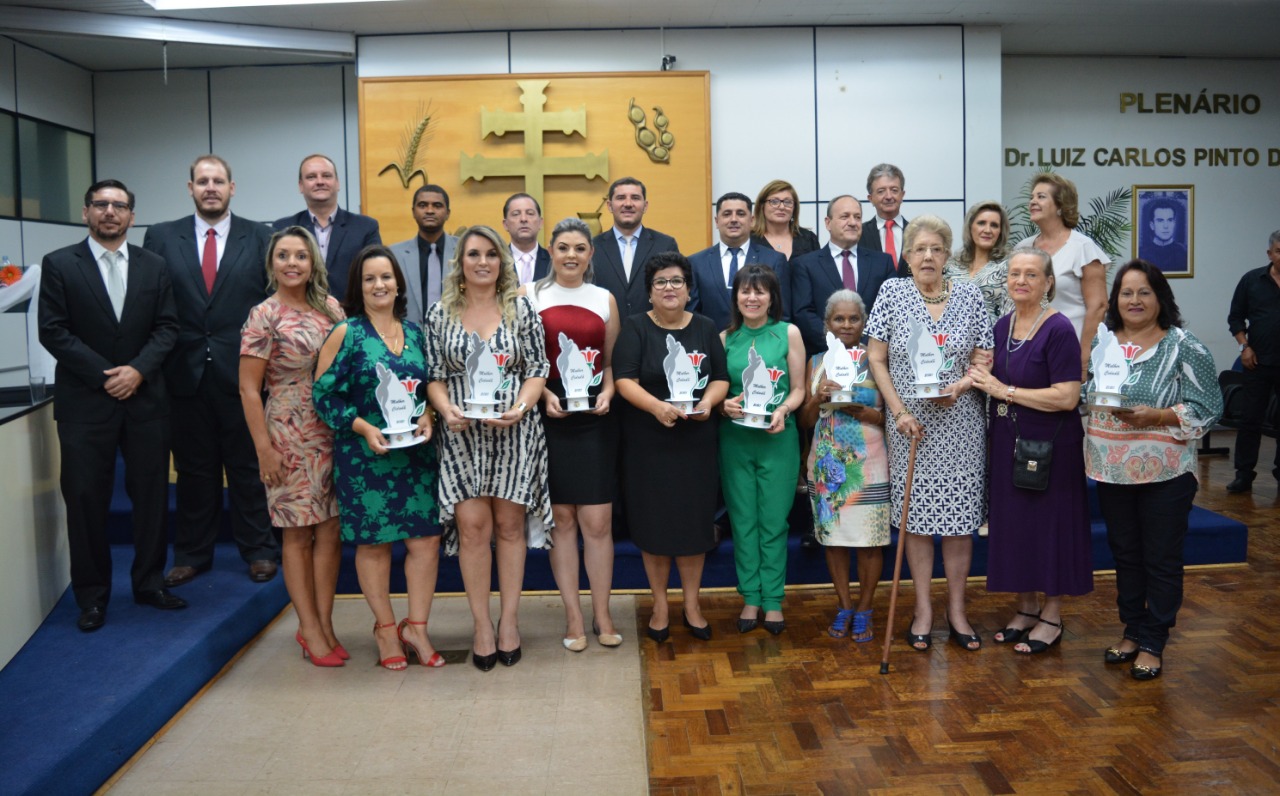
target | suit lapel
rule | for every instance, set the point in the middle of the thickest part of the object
(609, 247)
(189, 264)
(93, 279)
(413, 275)
(644, 242)
(232, 253)
(832, 270)
(338, 233)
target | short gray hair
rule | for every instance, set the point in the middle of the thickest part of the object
(1046, 265)
(840, 297)
(926, 223)
(886, 170)
(1275, 238)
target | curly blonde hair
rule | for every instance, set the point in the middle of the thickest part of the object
(453, 291)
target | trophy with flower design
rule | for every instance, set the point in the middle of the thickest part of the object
(759, 391)
(485, 378)
(578, 374)
(684, 375)
(398, 399)
(844, 366)
(1112, 364)
(928, 353)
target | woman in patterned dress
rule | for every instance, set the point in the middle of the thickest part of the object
(386, 493)
(582, 446)
(759, 466)
(1143, 457)
(848, 472)
(493, 475)
(981, 258)
(278, 347)
(947, 497)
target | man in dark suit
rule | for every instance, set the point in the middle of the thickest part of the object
(622, 250)
(425, 257)
(107, 316)
(714, 268)
(341, 234)
(886, 187)
(217, 263)
(839, 264)
(522, 219)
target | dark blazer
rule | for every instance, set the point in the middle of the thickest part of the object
(815, 276)
(631, 295)
(712, 298)
(801, 244)
(80, 329)
(542, 265)
(410, 259)
(870, 241)
(209, 336)
(351, 233)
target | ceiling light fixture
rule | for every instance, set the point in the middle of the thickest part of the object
(190, 5)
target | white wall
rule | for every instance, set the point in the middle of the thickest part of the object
(262, 120)
(1075, 103)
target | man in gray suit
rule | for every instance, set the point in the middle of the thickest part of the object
(425, 257)
(622, 250)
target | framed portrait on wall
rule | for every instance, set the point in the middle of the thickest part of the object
(1164, 227)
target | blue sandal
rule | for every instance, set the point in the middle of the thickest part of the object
(840, 625)
(862, 624)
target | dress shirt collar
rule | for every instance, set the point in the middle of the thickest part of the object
(97, 249)
(220, 229)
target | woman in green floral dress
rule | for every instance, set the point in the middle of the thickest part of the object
(385, 494)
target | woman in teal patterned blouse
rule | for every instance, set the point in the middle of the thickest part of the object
(386, 490)
(1143, 457)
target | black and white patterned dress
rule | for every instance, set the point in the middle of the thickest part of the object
(948, 498)
(487, 461)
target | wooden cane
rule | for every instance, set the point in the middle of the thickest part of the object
(897, 564)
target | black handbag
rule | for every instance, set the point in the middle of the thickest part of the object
(1032, 458)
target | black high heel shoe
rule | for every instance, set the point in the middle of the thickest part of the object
(700, 633)
(1035, 647)
(963, 640)
(1012, 635)
(507, 657)
(484, 663)
(918, 638)
(658, 634)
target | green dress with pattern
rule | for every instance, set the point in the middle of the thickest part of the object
(382, 498)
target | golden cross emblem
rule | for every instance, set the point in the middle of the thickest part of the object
(533, 122)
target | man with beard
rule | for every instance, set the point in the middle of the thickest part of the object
(107, 316)
(425, 257)
(217, 266)
(622, 251)
(340, 233)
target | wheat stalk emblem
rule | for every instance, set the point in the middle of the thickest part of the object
(415, 138)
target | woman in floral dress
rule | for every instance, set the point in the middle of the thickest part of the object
(278, 348)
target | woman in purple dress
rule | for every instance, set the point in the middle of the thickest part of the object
(1039, 540)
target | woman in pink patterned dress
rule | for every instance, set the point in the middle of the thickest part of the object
(278, 348)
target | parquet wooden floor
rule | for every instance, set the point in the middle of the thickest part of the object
(806, 714)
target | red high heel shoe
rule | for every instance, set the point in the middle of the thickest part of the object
(341, 652)
(390, 663)
(332, 659)
(435, 661)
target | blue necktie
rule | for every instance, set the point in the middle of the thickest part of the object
(733, 263)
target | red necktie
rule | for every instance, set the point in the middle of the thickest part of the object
(889, 248)
(846, 272)
(209, 262)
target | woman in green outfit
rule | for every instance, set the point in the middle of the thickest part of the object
(760, 449)
(385, 494)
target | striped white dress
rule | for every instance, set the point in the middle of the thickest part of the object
(486, 461)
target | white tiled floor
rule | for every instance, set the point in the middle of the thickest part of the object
(557, 722)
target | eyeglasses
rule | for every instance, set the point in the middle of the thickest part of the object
(676, 282)
(936, 251)
(787, 203)
(102, 204)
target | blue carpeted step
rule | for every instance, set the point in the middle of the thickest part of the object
(78, 705)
